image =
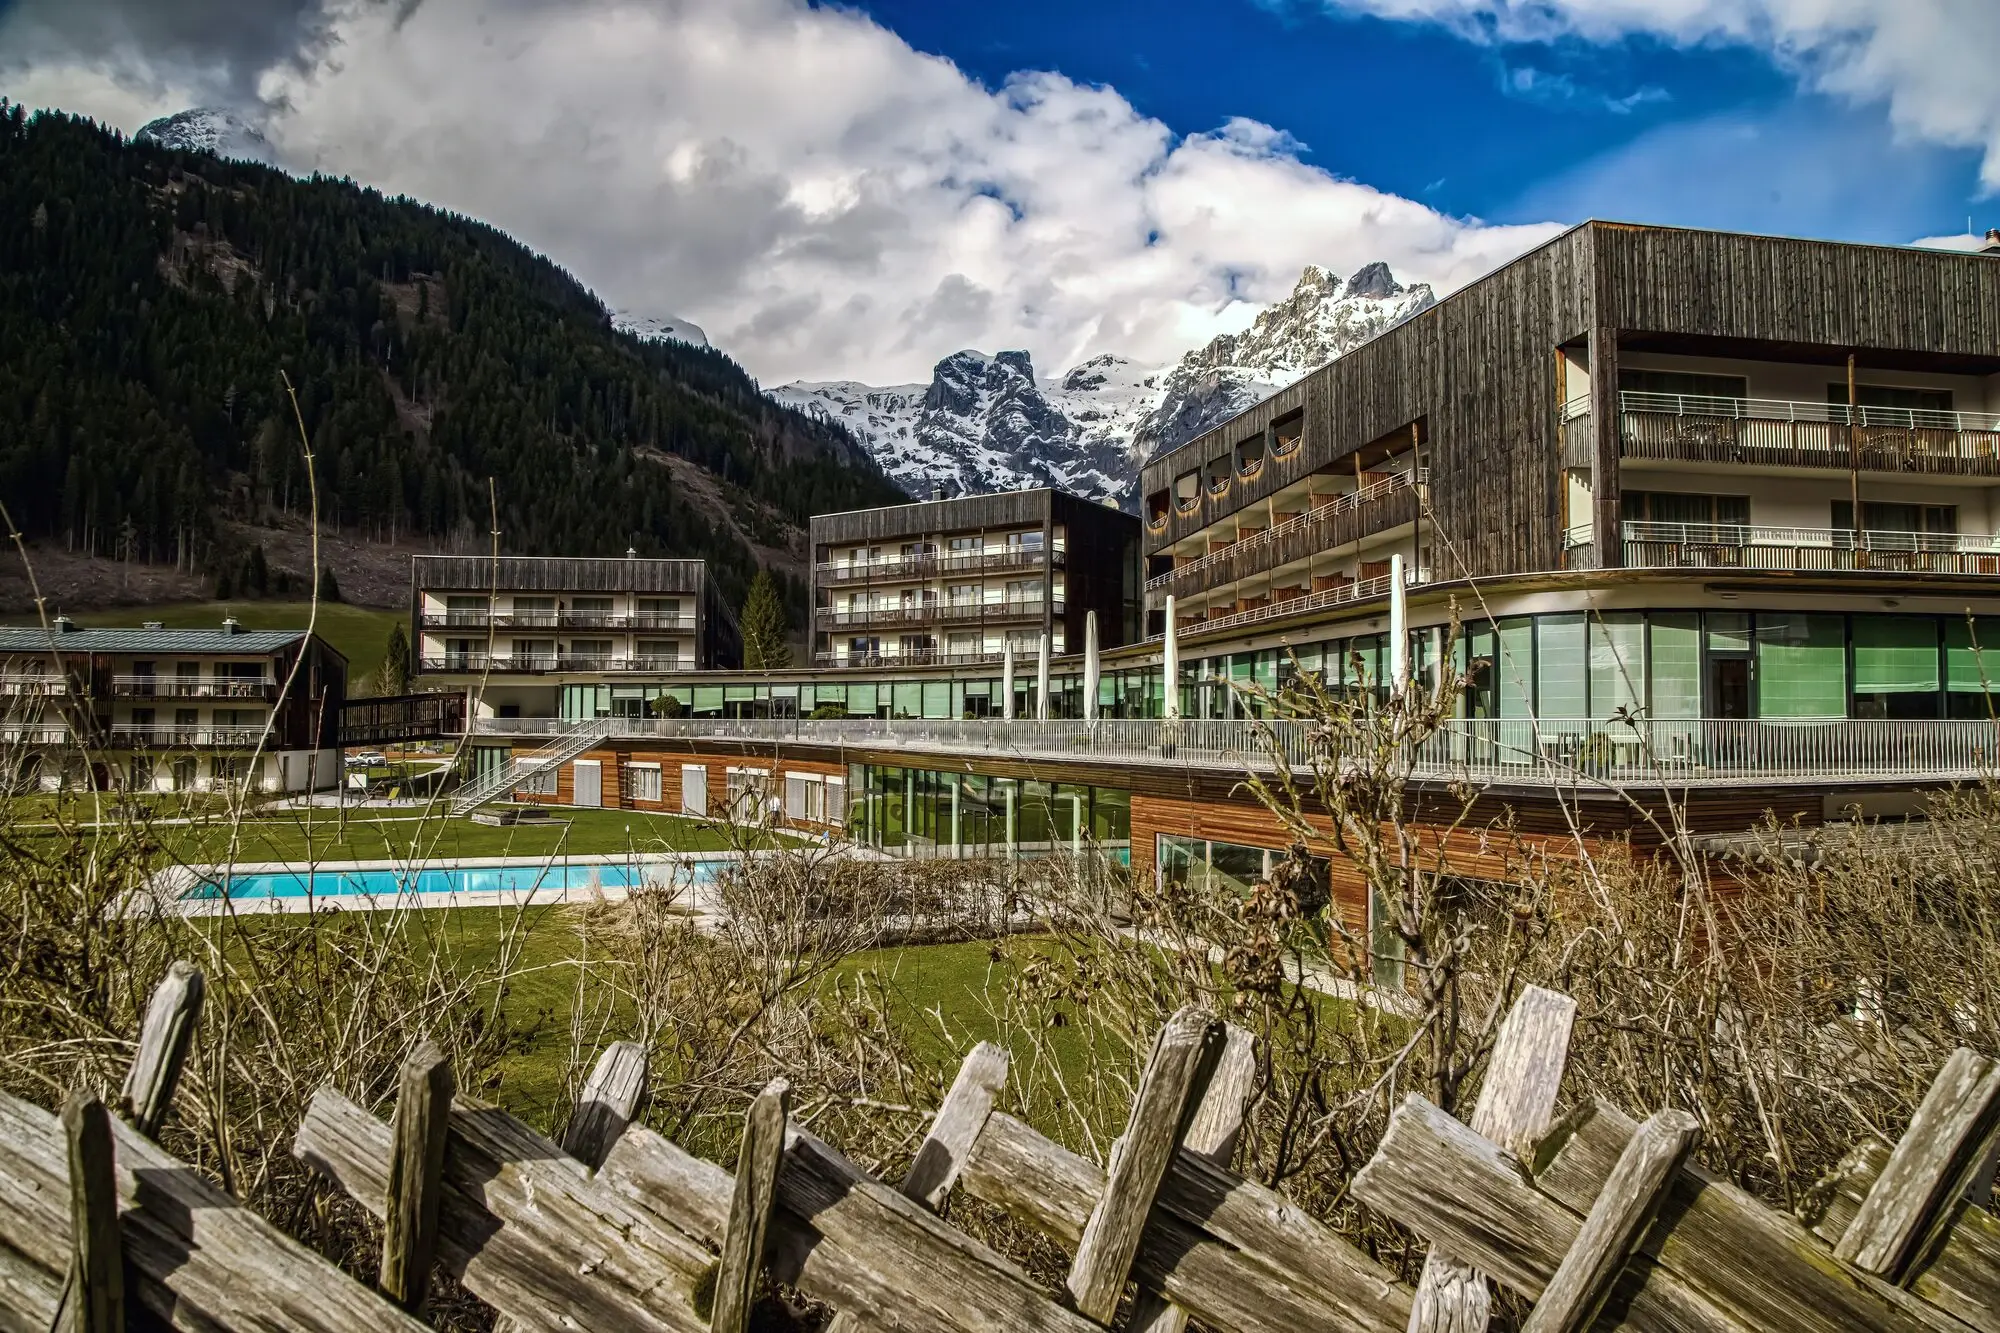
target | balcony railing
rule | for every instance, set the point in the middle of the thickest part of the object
(504, 664)
(928, 613)
(34, 733)
(921, 657)
(30, 683)
(938, 563)
(1318, 529)
(641, 621)
(1777, 432)
(1361, 590)
(194, 687)
(169, 736)
(1743, 546)
(1574, 752)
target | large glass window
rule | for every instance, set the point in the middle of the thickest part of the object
(1895, 666)
(1617, 664)
(1971, 665)
(1676, 665)
(1697, 392)
(1515, 669)
(1801, 665)
(1559, 667)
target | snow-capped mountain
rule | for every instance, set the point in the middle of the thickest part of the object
(659, 328)
(211, 129)
(987, 423)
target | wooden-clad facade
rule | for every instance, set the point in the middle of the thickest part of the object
(1480, 373)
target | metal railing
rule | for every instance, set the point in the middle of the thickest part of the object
(1746, 546)
(570, 740)
(923, 613)
(939, 563)
(921, 657)
(1546, 752)
(1360, 590)
(193, 687)
(34, 733)
(1272, 536)
(503, 664)
(640, 621)
(31, 683)
(145, 736)
(1780, 409)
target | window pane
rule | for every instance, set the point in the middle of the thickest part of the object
(1617, 664)
(1559, 666)
(1676, 665)
(1801, 666)
(1895, 655)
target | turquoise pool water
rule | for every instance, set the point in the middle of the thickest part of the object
(532, 877)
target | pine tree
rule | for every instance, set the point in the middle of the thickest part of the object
(396, 662)
(329, 591)
(765, 647)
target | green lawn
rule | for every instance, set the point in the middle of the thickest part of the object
(359, 632)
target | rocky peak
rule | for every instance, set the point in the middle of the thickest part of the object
(1374, 282)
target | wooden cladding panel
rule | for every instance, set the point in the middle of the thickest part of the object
(471, 573)
(926, 518)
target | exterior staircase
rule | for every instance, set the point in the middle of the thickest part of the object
(520, 768)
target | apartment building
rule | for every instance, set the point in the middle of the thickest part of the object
(155, 709)
(567, 638)
(957, 581)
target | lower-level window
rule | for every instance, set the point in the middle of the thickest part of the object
(642, 782)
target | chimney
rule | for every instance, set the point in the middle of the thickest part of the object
(63, 624)
(154, 624)
(1992, 246)
(631, 553)
(937, 490)
(230, 625)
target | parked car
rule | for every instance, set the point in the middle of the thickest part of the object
(367, 759)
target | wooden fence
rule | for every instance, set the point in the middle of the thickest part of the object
(1599, 1220)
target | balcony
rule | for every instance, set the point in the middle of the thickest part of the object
(167, 736)
(194, 687)
(34, 733)
(1776, 433)
(937, 613)
(938, 565)
(923, 657)
(503, 664)
(638, 621)
(1361, 590)
(1739, 546)
(1385, 504)
(32, 684)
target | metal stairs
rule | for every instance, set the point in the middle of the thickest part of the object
(518, 770)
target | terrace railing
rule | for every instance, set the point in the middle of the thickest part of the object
(922, 657)
(504, 664)
(1361, 590)
(1340, 520)
(938, 563)
(1786, 433)
(1655, 752)
(194, 687)
(33, 683)
(157, 736)
(641, 621)
(1743, 546)
(1027, 608)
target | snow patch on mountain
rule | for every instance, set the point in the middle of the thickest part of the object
(988, 423)
(659, 328)
(210, 129)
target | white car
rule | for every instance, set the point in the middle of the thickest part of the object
(367, 759)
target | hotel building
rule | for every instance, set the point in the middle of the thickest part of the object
(155, 709)
(1700, 518)
(956, 582)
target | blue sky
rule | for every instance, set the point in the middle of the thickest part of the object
(1639, 129)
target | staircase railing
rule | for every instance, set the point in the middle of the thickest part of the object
(517, 771)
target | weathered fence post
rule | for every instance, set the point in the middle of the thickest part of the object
(416, 1176)
(1929, 1169)
(1212, 1135)
(1514, 1107)
(93, 1299)
(164, 1038)
(750, 1210)
(1176, 1076)
(1617, 1221)
(610, 1099)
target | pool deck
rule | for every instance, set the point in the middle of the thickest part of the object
(170, 886)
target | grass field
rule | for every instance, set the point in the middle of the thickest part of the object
(360, 633)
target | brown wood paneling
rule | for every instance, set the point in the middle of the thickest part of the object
(472, 573)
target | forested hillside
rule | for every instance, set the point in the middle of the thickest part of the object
(149, 300)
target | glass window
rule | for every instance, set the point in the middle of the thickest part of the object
(937, 698)
(1676, 665)
(1801, 666)
(1971, 664)
(1617, 664)
(1559, 666)
(907, 699)
(1515, 669)
(1700, 393)
(1895, 666)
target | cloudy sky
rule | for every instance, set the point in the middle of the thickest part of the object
(852, 191)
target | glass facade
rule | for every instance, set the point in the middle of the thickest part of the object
(928, 812)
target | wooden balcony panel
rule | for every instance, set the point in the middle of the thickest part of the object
(1320, 532)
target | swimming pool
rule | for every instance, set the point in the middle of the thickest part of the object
(534, 877)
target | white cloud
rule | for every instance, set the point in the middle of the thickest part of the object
(824, 200)
(1931, 62)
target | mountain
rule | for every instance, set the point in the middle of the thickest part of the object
(209, 129)
(153, 298)
(659, 328)
(988, 423)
